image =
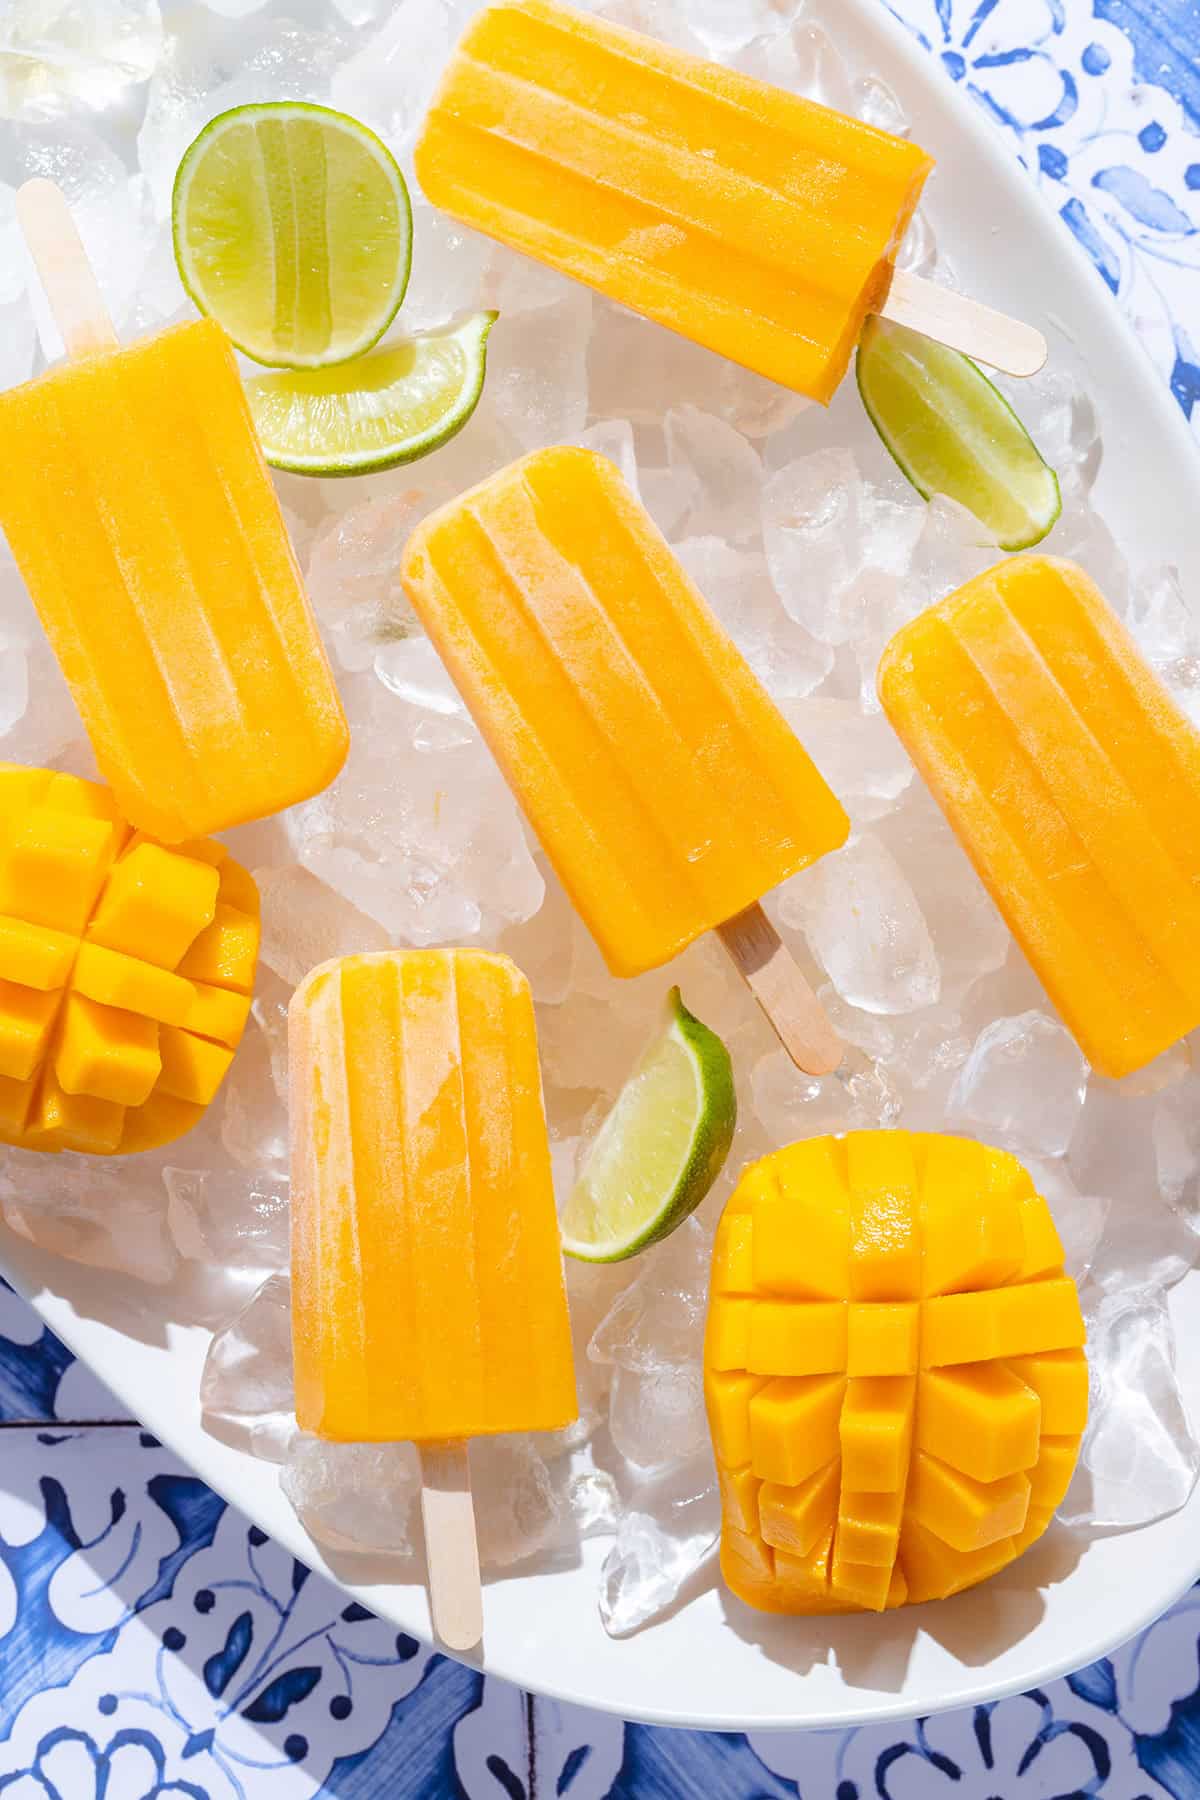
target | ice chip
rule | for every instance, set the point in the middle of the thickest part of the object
(413, 671)
(433, 854)
(665, 1537)
(865, 926)
(353, 573)
(726, 473)
(253, 1119)
(519, 1509)
(792, 1106)
(305, 923)
(354, 1497)
(738, 589)
(57, 53)
(389, 79)
(89, 1211)
(857, 752)
(1168, 631)
(537, 371)
(247, 1378)
(1139, 1459)
(1022, 1086)
(449, 268)
(227, 1220)
(595, 1502)
(656, 1414)
(14, 685)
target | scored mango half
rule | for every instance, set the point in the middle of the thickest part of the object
(126, 970)
(894, 1371)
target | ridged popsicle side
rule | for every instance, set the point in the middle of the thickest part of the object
(666, 787)
(427, 1287)
(138, 507)
(761, 224)
(1073, 782)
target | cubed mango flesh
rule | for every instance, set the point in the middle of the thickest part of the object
(894, 1371)
(126, 971)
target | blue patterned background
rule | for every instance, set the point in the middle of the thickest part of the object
(154, 1644)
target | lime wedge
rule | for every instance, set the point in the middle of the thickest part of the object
(953, 433)
(661, 1147)
(399, 402)
(292, 228)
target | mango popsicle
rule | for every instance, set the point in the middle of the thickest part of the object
(758, 223)
(894, 1371)
(428, 1296)
(667, 789)
(1073, 782)
(140, 512)
(427, 1287)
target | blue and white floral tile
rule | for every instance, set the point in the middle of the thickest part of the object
(1100, 99)
(153, 1644)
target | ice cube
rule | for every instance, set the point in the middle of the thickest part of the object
(614, 438)
(537, 371)
(811, 534)
(247, 1380)
(1022, 1086)
(791, 1105)
(864, 924)
(228, 1220)
(305, 923)
(858, 753)
(656, 1413)
(56, 53)
(666, 1536)
(354, 1496)
(726, 473)
(519, 1508)
(738, 589)
(354, 572)
(1139, 1458)
(210, 64)
(638, 371)
(389, 80)
(1168, 631)
(595, 1502)
(876, 104)
(89, 1212)
(968, 933)
(413, 671)
(449, 266)
(253, 1119)
(432, 848)
(14, 684)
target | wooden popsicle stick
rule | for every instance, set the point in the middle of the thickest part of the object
(963, 324)
(767, 967)
(63, 268)
(451, 1547)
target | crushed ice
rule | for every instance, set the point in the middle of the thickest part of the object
(812, 549)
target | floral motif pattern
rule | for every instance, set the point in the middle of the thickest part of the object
(155, 1645)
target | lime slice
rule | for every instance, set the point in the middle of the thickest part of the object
(953, 433)
(390, 407)
(661, 1147)
(292, 228)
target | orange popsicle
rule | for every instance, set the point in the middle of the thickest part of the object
(761, 225)
(894, 1371)
(1073, 781)
(427, 1286)
(667, 789)
(137, 504)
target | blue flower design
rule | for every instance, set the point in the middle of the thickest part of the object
(1006, 54)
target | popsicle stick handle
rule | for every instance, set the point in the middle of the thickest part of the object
(451, 1548)
(766, 966)
(963, 324)
(65, 272)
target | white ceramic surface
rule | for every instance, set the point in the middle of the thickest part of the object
(714, 1663)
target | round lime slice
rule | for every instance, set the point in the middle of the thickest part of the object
(391, 406)
(661, 1147)
(292, 228)
(953, 433)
